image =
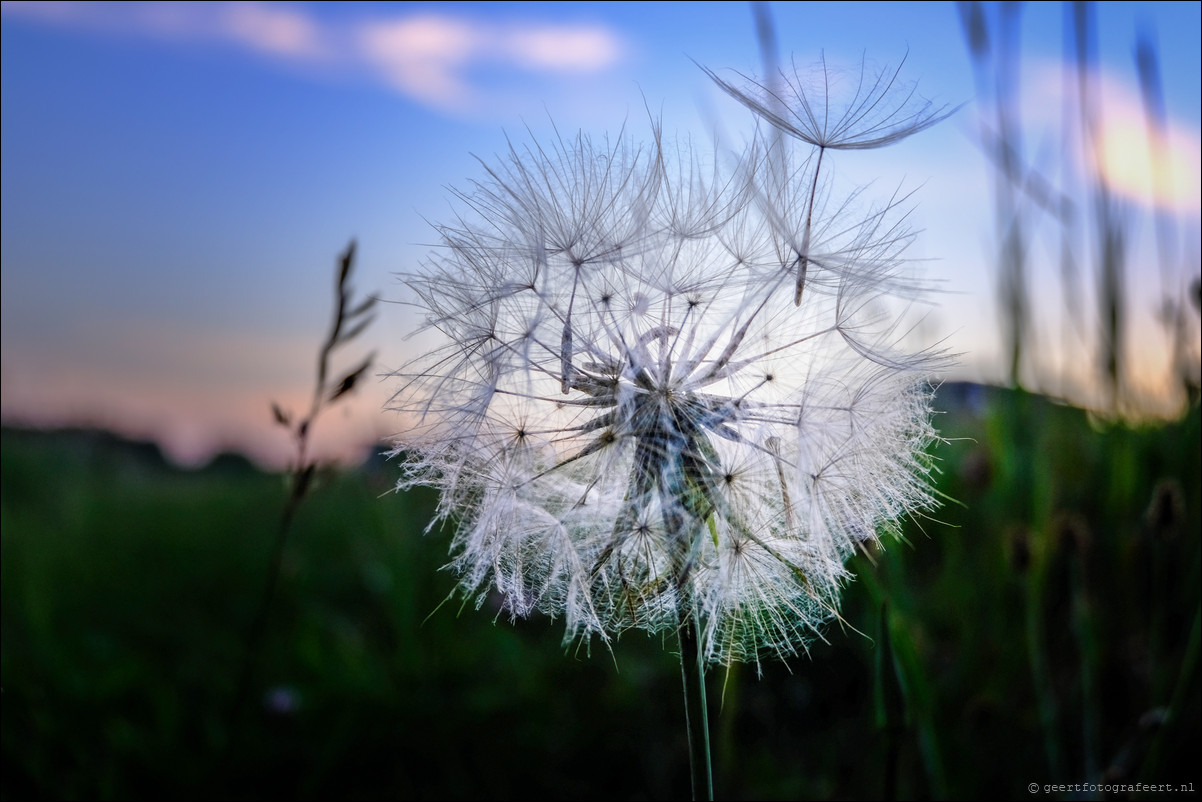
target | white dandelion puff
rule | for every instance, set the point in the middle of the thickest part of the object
(635, 421)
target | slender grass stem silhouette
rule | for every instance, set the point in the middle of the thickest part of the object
(350, 319)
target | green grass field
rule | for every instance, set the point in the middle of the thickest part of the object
(1044, 628)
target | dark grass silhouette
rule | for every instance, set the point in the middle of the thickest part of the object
(349, 320)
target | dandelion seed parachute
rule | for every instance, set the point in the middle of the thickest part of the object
(630, 418)
(879, 110)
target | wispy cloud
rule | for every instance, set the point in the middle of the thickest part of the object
(428, 57)
(1168, 175)
(274, 30)
(561, 48)
(423, 56)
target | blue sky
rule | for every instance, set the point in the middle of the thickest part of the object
(178, 179)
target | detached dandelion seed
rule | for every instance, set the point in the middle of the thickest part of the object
(834, 110)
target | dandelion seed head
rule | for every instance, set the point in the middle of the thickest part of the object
(632, 419)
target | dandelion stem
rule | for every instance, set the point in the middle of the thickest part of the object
(692, 671)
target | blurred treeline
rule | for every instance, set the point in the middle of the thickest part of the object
(1044, 628)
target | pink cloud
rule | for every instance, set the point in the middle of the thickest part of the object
(563, 48)
(274, 30)
(427, 56)
(422, 56)
(1167, 176)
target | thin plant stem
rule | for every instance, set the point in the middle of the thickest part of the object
(692, 672)
(1040, 674)
(258, 628)
(348, 322)
(1154, 762)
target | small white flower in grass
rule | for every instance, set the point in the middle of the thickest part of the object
(633, 421)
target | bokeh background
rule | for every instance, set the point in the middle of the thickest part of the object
(178, 182)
